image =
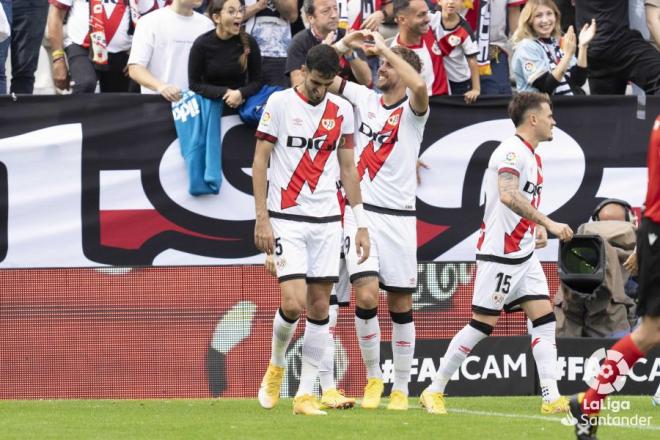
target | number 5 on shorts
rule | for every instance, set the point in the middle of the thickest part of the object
(278, 247)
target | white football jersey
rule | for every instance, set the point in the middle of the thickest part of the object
(303, 164)
(387, 143)
(428, 50)
(504, 233)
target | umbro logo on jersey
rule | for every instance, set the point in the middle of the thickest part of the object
(297, 122)
(320, 143)
(532, 189)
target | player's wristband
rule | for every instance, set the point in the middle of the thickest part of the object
(360, 216)
(341, 47)
(57, 54)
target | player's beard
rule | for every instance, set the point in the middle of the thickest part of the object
(422, 28)
(385, 87)
(314, 99)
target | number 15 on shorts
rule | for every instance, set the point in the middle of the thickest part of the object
(503, 283)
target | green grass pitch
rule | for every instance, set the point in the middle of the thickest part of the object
(480, 418)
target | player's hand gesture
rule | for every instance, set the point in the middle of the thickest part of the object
(355, 39)
(560, 230)
(362, 244)
(375, 44)
(263, 236)
(541, 239)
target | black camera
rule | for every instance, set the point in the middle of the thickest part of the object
(581, 263)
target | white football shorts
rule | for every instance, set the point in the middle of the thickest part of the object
(393, 256)
(505, 286)
(307, 250)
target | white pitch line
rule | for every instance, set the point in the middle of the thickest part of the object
(542, 418)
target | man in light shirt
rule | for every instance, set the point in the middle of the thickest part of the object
(161, 45)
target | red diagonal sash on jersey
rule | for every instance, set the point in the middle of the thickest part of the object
(101, 23)
(512, 242)
(373, 160)
(309, 170)
(456, 37)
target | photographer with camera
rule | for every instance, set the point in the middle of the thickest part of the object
(600, 308)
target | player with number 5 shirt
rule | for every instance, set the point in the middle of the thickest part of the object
(307, 135)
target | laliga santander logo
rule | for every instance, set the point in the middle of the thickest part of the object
(613, 365)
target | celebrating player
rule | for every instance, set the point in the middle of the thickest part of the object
(509, 275)
(390, 132)
(299, 221)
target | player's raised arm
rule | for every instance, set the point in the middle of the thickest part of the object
(346, 48)
(263, 233)
(419, 98)
(512, 198)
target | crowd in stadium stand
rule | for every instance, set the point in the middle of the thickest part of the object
(469, 47)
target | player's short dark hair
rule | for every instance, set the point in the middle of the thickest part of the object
(409, 56)
(399, 6)
(324, 59)
(522, 102)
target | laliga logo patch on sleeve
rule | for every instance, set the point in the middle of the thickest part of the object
(511, 158)
(265, 118)
(529, 67)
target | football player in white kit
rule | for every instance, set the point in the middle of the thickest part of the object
(509, 275)
(297, 213)
(390, 127)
